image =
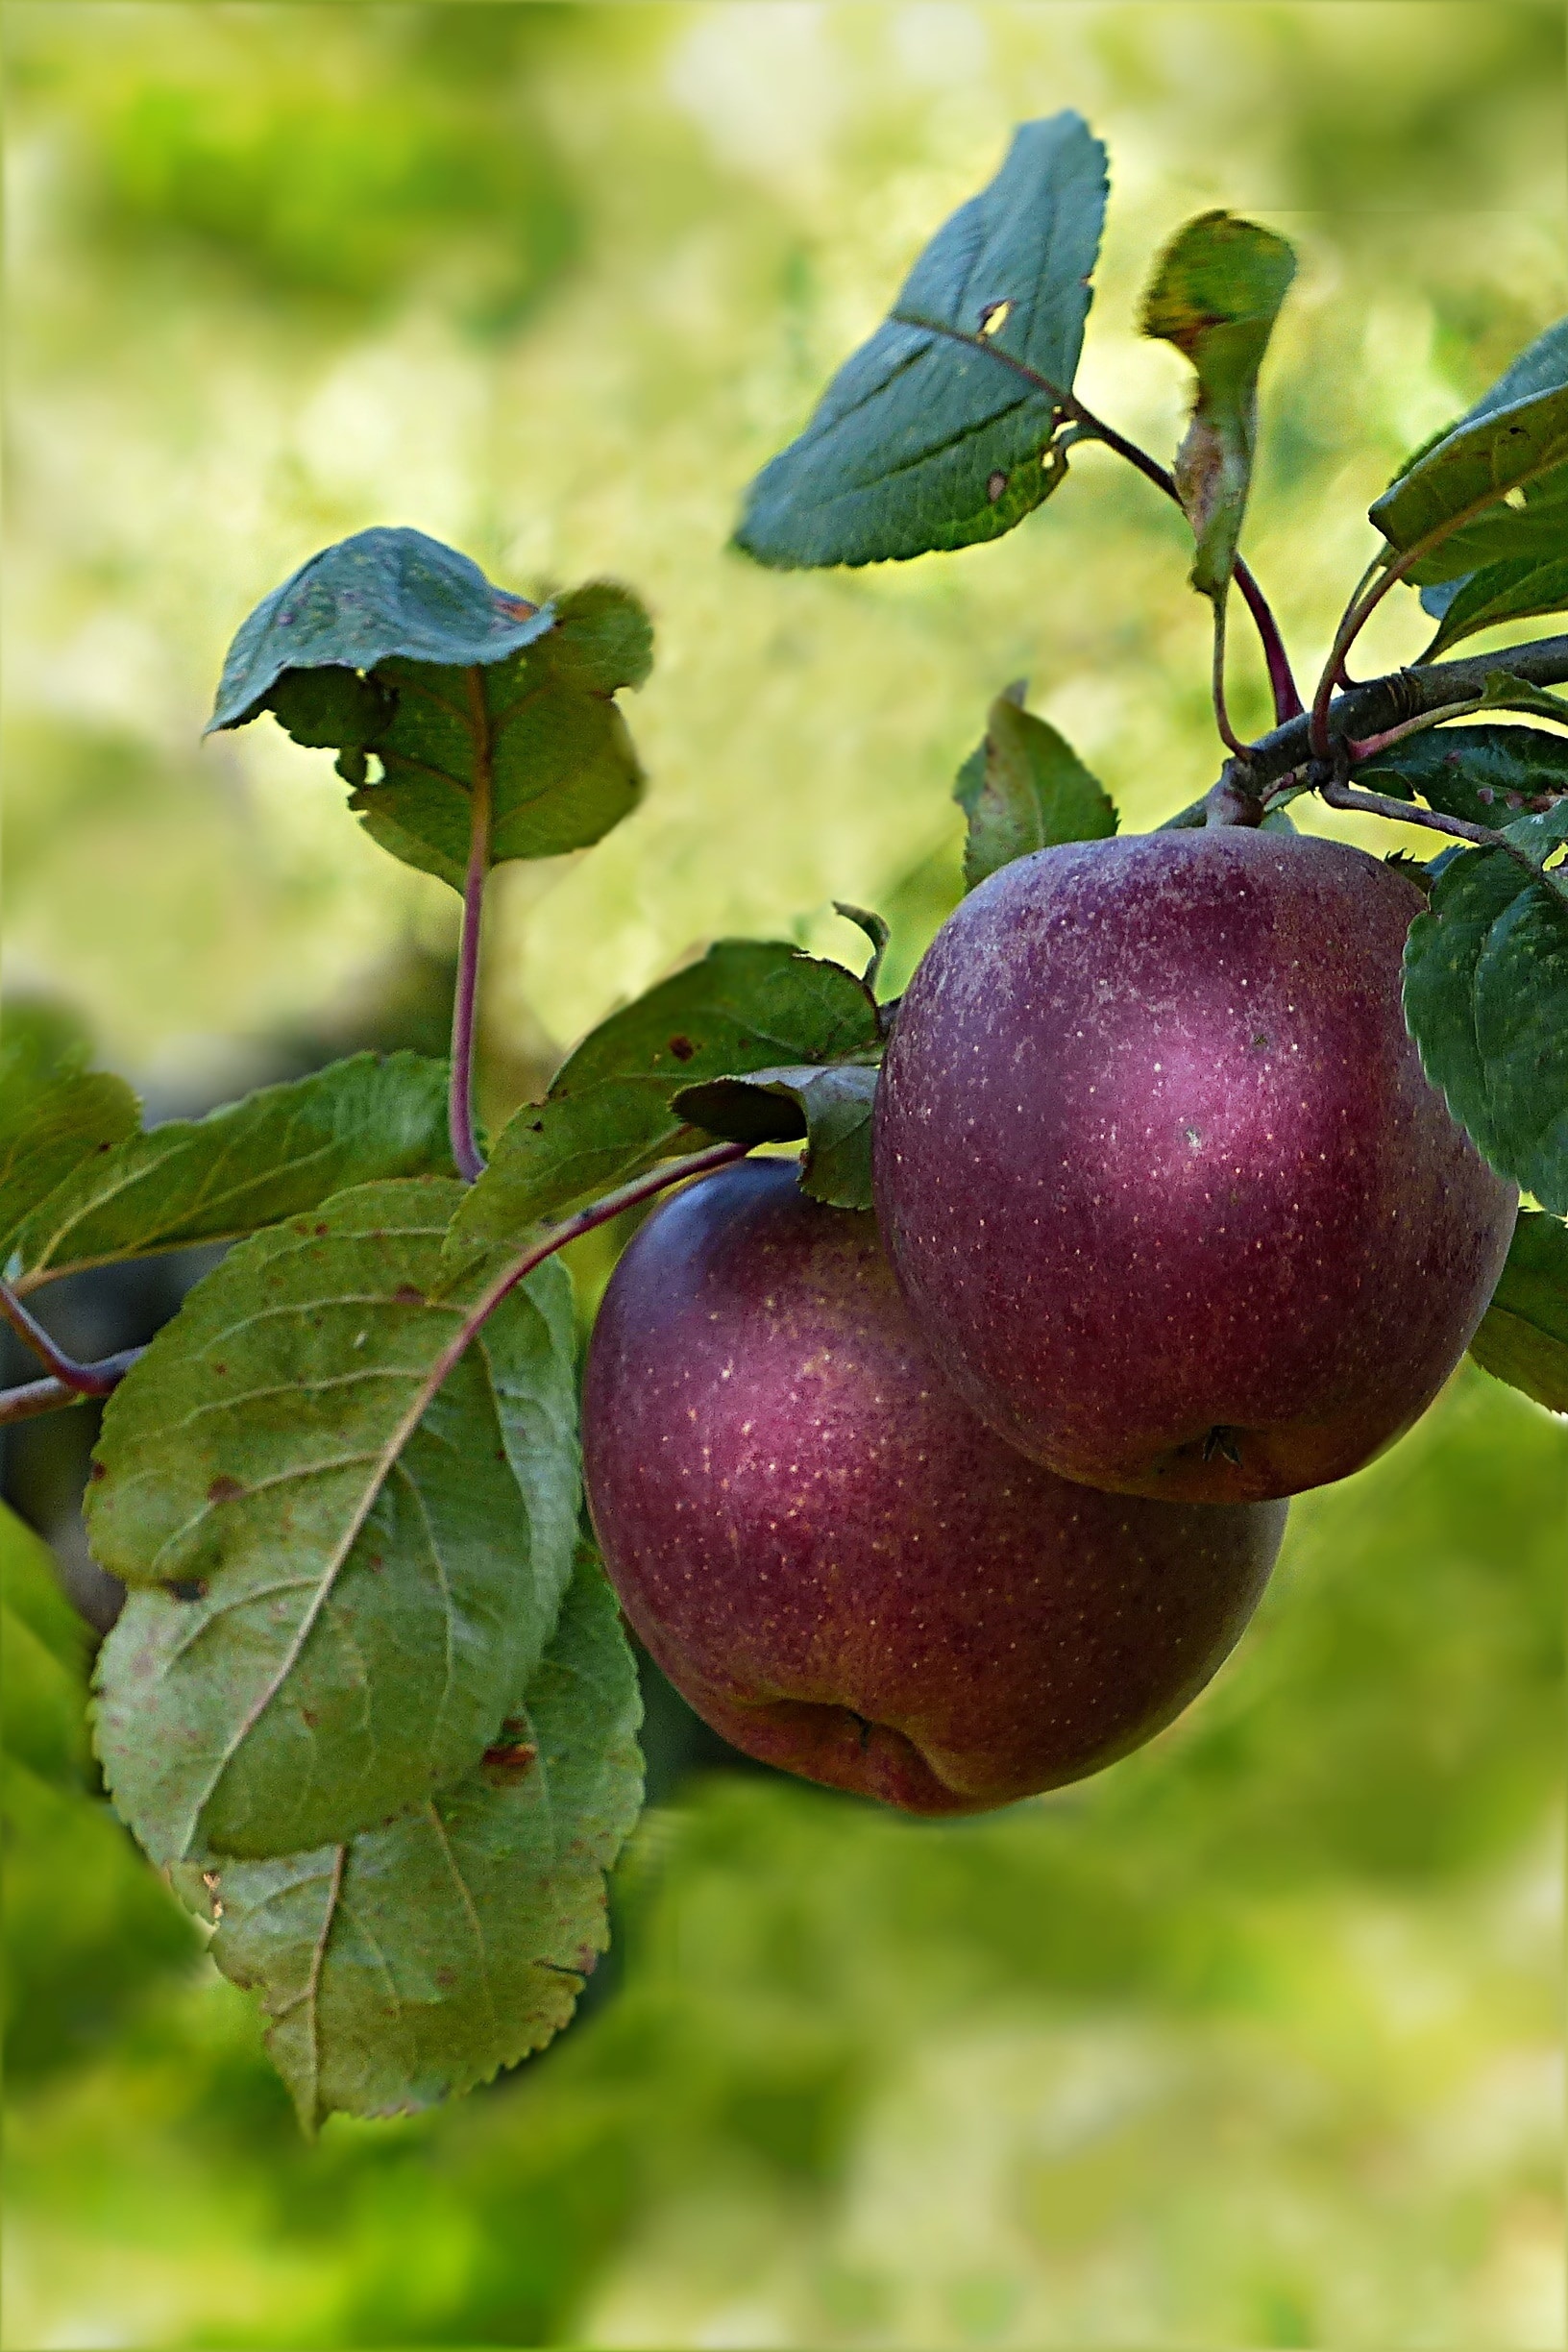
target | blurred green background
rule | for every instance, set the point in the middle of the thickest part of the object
(1256, 2039)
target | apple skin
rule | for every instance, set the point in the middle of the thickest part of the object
(842, 1569)
(1162, 1176)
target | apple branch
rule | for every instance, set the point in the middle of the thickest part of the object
(83, 1380)
(1369, 709)
(465, 1150)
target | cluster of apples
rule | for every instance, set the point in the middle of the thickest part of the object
(962, 1502)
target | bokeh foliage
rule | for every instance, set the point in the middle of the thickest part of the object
(1252, 2039)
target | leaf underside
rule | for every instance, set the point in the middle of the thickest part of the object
(830, 1108)
(610, 1114)
(1523, 1337)
(338, 1578)
(411, 1962)
(278, 1153)
(937, 433)
(442, 683)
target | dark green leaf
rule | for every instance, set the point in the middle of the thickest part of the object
(422, 1955)
(1514, 436)
(748, 1004)
(351, 1582)
(1486, 1001)
(1025, 788)
(274, 1155)
(379, 594)
(1483, 772)
(1512, 591)
(55, 1115)
(528, 706)
(1524, 1335)
(831, 1108)
(1216, 294)
(938, 432)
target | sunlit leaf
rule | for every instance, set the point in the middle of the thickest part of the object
(349, 1580)
(1524, 1335)
(1216, 294)
(418, 1958)
(748, 1004)
(1025, 788)
(1514, 436)
(278, 1152)
(938, 433)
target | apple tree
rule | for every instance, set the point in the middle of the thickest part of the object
(946, 1458)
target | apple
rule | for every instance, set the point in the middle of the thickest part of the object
(841, 1568)
(1169, 1197)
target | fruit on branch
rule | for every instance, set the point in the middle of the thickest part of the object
(844, 1571)
(1167, 1193)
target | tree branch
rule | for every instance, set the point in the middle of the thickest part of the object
(86, 1379)
(44, 1396)
(1379, 704)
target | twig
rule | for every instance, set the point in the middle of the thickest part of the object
(1342, 796)
(1387, 701)
(1228, 735)
(45, 1396)
(465, 1150)
(86, 1379)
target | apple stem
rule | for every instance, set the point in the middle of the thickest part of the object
(465, 1149)
(1228, 735)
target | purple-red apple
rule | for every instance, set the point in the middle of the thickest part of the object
(1169, 1197)
(842, 1570)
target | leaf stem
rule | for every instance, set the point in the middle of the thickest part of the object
(1342, 796)
(1228, 735)
(465, 1149)
(1288, 703)
(84, 1379)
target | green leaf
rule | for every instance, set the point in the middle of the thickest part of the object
(938, 433)
(379, 594)
(1486, 1001)
(528, 708)
(1514, 591)
(831, 1108)
(55, 1115)
(1514, 436)
(279, 1152)
(1523, 1337)
(1482, 772)
(1216, 294)
(1025, 788)
(748, 1004)
(1530, 526)
(43, 1656)
(1503, 691)
(415, 1960)
(350, 1579)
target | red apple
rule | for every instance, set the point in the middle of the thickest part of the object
(844, 1571)
(1169, 1195)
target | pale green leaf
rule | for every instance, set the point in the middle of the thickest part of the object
(415, 1960)
(1523, 1337)
(349, 1581)
(1025, 788)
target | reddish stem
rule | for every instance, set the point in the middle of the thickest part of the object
(82, 1378)
(465, 1149)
